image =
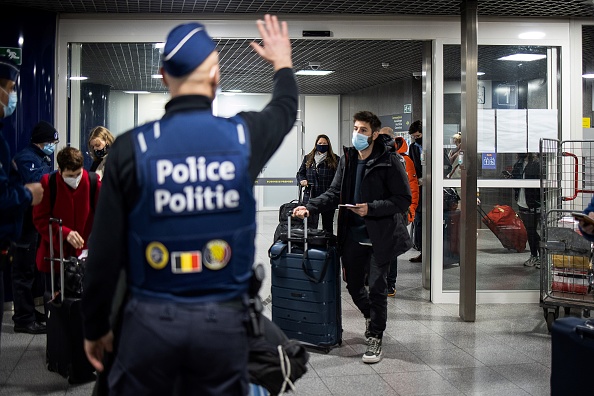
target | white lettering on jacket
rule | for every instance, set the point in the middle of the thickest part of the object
(194, 198)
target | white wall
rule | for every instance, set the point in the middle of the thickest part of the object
(321, 116)
(120, 112)
(151, 106)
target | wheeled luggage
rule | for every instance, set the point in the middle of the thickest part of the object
(451, 237)
(306, 290)
(572, 350)
(285, 211)
(507, 227)
(65, 341)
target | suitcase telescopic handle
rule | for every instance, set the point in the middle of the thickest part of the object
(289, 232)
(586, 330)
(53, 220)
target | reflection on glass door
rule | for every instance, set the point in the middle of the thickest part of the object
(517, 106)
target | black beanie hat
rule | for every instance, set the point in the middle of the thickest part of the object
(44, 132)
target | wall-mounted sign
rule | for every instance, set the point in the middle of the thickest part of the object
(489, 161)
(14, 54)
(398, 122)
(408, 108)
(586, 122)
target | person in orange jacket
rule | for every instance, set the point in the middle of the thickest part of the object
(400, 146)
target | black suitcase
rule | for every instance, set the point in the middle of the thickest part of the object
(306, 291)
(65, 341)
(573, 349)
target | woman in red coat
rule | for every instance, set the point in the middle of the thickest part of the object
(72, 205)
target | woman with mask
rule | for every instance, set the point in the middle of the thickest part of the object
(71, 203)
(315, 174)
(100, 140)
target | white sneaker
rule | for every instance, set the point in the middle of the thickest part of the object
(374, 351)
(537, 262)
(530, 262)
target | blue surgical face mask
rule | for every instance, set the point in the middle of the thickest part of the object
(49, 148)
(322, 148)
(10, 107)
(361, 142)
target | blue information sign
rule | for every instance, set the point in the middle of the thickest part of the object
(489, 160)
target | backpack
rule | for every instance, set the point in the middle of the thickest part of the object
(92, 190)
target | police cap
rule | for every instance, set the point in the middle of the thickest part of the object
(187, 46)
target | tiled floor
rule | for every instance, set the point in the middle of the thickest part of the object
(428, 349)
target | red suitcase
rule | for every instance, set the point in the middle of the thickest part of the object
(507, 227)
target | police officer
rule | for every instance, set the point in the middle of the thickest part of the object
(176, 210)
(32, 163)
(15, 197)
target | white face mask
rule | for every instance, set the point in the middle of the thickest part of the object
(73, 182)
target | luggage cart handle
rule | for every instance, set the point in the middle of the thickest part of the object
(576, 170)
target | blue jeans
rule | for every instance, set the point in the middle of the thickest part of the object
(356, 258)
(202, 348)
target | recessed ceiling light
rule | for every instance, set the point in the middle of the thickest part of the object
(480, 73)
(531, 35)
(137, 92)
(157, 76)
(78, 78)
(235, 90)
(588, 75)
(314, 72)
(523, 57)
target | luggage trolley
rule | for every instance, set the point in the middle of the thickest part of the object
(566, 185)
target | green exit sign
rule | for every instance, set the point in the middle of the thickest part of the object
(14, 54)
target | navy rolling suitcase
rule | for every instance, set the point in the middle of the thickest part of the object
(306, 291)
(65, 352)
(573, 348)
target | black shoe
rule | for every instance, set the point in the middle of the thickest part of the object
(39, 317)
(32, 328)
(391, 291)
(418, 259)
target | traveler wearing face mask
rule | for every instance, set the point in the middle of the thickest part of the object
(316, 173)
(373, 181)
(32, 163)
(15, 198)
(100, 141)
(416, 132)
(72, 204)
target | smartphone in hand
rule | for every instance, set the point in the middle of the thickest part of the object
(581, 216)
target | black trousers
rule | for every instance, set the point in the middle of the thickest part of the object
(356, 258)
(531, 220)
(23, 277)
(327, 221)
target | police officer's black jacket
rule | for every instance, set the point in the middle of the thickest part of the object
(120, 192)
(384, 188)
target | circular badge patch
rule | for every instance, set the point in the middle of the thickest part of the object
(216, 254)
(157, 255)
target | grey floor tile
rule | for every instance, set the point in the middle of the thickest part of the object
(471, 340)
(539, 390)
(359, 385)
(36, 382)
(397, 361)
(501, 392)
(498, 355)
(423, 342)
(420, 383)
(311, 387)
(80, 390)
(32, 360)
(472, 380)
(10, 357)
(531, 375)
(442, 359)
(343, 361)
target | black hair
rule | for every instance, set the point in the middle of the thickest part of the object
(416, 126)
(369, 117)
